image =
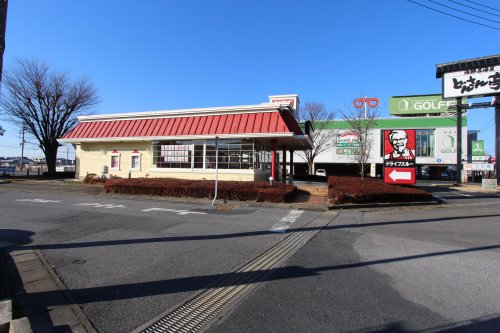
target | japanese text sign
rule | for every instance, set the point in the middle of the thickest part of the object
(483, 81)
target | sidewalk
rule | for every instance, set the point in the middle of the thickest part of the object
(32, 282)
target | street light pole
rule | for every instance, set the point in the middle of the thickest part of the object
(216, 167)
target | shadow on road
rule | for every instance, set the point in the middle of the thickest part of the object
(233, 235)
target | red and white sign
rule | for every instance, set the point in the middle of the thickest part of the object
(293, 100)
(399, 175)
(399, 156)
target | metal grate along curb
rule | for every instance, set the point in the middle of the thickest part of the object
(197, 312)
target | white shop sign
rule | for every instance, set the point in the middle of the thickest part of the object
(483, 81)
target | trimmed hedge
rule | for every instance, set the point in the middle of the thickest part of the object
(343, 190)
(228, 190)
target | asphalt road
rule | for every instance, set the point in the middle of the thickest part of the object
(425, 269)
(126, 260)
(410, 269)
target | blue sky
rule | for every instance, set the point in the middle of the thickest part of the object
(165, 54)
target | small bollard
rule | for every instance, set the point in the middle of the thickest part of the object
(271, 179)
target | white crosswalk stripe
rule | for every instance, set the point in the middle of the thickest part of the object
(39, 200)
(98, 205)
(177, 211)
(286, 222)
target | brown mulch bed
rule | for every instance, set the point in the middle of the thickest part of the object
(182, 188)
(348, 190)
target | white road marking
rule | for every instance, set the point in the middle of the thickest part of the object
(177, 211)
(465, 195)
(39, 200)
(98, 205)
(285, 223)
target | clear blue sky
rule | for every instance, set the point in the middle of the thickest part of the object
(165, 54)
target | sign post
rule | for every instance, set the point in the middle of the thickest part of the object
(399, 156)
(479, 77)
(216, 167)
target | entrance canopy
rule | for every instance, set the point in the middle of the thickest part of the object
(269, 122)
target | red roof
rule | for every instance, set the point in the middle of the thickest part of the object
(240, 123)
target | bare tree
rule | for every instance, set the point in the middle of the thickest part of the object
(46, 102)
(361, 122)
(2, 131)
(322, 137)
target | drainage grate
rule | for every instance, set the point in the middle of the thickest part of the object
(197, 312)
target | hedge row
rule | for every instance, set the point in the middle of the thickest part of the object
(356, 190)
(228, 190)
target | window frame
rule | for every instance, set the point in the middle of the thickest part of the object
(137, 154)
(115, 154)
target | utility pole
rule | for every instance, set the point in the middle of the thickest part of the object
(22, 147)
(496, 103)
(3, 23)
(459, 140)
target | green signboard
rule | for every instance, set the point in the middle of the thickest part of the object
(477, 147)
(347, 143)
(421, 104)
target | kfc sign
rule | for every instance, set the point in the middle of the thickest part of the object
(399, 156)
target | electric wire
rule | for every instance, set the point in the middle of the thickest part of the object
(479, 4)
(458, 17)
(464, 12)
(470, 7)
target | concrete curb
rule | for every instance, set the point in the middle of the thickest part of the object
(31, 275)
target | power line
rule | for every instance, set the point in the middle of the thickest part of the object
(461, 4)
(479, 4)
(461, 11)
(458, 17)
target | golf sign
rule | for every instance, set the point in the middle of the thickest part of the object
(399, 156)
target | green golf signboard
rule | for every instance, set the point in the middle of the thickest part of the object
(477, 147)
(419, 104)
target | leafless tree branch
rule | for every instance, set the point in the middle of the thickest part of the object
(322, 138)
(361, 124)
(47, 103)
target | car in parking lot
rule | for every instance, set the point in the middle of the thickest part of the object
(445, 175)
(321, 172)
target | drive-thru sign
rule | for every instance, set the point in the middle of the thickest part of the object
(399, 156)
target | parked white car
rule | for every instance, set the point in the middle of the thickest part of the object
(321, 172)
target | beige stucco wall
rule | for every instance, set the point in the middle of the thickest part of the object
(92, 157)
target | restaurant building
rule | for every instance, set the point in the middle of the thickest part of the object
(253, 142)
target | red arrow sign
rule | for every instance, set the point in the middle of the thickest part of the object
(399, 175)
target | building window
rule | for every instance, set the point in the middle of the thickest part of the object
(201, 154)
(115, 160)
(173, 154)
(425, 143)
(135, 160)
(233, 154)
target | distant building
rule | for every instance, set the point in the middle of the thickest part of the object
(436, 138)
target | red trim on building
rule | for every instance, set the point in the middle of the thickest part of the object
(268, 122)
